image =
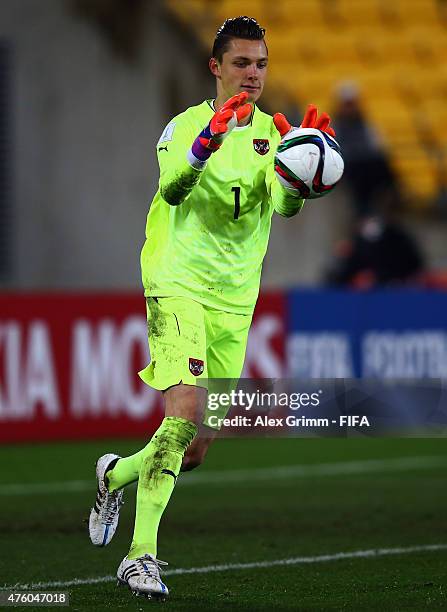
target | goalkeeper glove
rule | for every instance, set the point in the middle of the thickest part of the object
(212, 136)
(310, 120)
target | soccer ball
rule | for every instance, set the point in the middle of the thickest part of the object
(309, 162)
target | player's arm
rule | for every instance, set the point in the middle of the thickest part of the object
(181, 168)
(177, 176)
(286, 201)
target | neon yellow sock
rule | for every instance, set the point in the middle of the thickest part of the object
(126, 470)
(158, 474)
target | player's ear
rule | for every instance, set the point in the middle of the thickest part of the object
(214, 67)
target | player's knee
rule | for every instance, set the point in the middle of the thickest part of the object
(185, 401)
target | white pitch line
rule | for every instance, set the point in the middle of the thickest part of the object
(356, 554)
(35, 488)
(317, 469)
(221, 477)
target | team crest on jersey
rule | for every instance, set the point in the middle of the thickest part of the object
(196, 366)
(261, 145)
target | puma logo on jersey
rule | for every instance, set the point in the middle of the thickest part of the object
(162, 148)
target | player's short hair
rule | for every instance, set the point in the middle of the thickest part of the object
(236, 27)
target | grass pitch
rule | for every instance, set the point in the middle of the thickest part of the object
(346, 495)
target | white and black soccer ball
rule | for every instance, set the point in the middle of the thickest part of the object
(309, 162)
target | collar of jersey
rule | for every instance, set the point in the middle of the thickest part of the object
(210, 103)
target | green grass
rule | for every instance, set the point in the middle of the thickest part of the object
(43, 536)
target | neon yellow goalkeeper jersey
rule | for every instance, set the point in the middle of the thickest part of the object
(207, 230)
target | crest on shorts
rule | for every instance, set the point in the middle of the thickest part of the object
(261, 145)
(196, 366)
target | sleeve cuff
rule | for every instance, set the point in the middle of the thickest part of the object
(195, 162)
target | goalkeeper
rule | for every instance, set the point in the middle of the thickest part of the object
(206, 236)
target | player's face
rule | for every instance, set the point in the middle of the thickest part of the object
(243, 68)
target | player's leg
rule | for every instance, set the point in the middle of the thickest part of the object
(178, 349)
(163, 329)
(179, 400)
(161, 464)
(227, 336)
(197, 450)
(140, 569)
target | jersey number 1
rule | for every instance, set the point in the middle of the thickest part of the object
(237, 201)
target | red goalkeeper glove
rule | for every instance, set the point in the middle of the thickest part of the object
(225, 119)
(310, 120)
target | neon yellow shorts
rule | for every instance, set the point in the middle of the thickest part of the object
(190, 343)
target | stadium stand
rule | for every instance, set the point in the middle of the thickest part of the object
(395, 51)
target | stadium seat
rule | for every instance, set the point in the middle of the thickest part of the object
(417, 11)
(306, 11)
(353, 12)
(418, 174)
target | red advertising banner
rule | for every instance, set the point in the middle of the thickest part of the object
(69, 363)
